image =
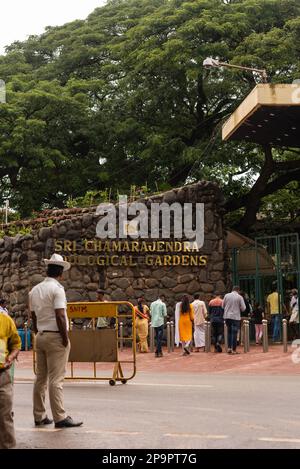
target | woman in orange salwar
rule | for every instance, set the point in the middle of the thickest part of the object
(141, 324)
(186, 324)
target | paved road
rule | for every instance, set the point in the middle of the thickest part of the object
(178, 410)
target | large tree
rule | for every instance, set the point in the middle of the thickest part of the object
(132, 91)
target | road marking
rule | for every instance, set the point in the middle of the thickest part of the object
(111, 432)
(252, 426)
(280, 440)
(45, 430)
(195, 435)
(173, 385)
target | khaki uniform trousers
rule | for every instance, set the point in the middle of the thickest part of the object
(7, 432)
(51, 364)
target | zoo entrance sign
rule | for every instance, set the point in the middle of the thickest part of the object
(128, 234)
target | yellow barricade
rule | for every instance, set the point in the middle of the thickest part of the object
(92, 345)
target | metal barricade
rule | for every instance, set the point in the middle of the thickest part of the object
(91, 345)
(284, 335)
(265, 336)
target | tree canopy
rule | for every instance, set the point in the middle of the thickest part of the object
(126, 87)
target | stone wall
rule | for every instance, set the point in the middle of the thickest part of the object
(22, 267)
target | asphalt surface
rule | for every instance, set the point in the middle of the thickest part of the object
(165, 410)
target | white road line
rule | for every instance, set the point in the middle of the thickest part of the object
(280, 440)
(44, 430)
(173, 385)
(195, 435)
(113, 432)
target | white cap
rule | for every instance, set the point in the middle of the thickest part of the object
(57, 259)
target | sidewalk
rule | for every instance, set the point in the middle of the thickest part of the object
(274, 362)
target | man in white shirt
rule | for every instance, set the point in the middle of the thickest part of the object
(48, 303)
(200, 313)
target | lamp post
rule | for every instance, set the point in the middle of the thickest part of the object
(214, 63)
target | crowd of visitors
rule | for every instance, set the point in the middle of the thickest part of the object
(232, 310)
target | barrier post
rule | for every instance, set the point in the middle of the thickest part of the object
(121, 336)
(265, 336)
(243, 333)
(225, 337)
(151, 338)
(172, 336)
(246, 336)
(168, 337)
(285, 335)
(207, 336)
(26, 338)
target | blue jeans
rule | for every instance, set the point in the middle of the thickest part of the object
(233, 326)
(276, 327)
(159, 332)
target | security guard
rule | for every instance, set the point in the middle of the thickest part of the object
(48, 310)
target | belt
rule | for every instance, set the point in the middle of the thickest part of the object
(54, 332)
(2, 370)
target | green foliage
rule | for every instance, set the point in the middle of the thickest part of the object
(126, 87)
(90, 198)
(14, 230)
(283, 206)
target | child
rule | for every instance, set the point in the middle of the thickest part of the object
(258, 315)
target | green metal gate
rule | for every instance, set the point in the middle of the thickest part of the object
(271, 259)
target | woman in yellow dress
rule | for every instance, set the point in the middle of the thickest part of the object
(141, 324)
(186, 324)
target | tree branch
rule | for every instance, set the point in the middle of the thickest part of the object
(254, 194)
(281, 181)
(287, 165)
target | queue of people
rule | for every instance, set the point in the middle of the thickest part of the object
(232, 310)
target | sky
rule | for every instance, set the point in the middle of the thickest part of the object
(21, 18)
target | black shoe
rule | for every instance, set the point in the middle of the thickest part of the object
(187, 350)
(67, 423)
(219, 348)
(156, 354)
(45, 421)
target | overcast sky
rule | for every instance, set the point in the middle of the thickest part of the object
(21, 18)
